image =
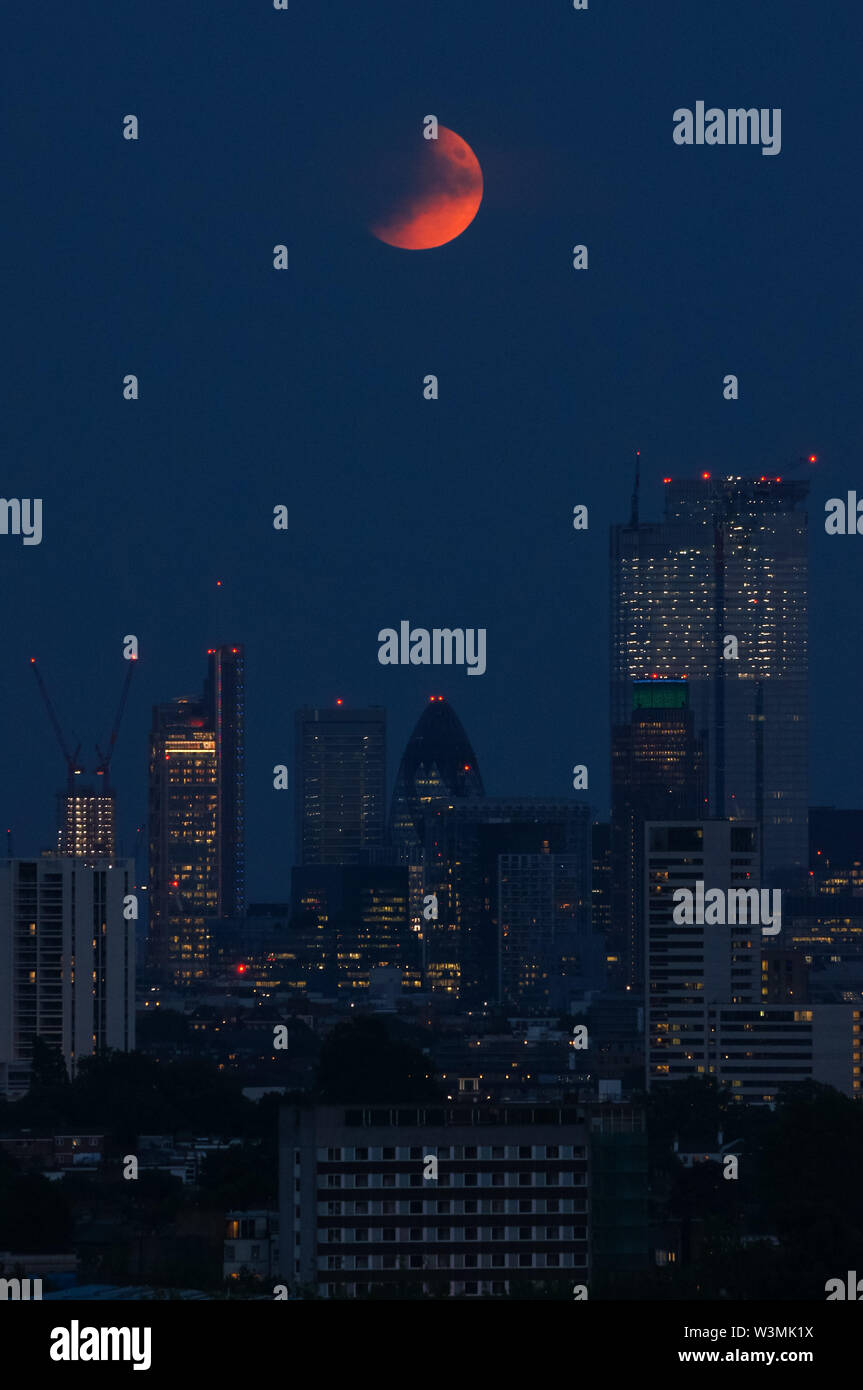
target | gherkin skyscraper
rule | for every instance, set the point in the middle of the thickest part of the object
(438, 764)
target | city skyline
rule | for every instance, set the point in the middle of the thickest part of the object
(449, 414)
(264, 812)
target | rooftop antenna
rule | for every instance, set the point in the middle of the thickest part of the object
(633, 520)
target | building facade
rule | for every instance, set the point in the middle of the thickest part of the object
(718, 593)
(720, 1002)
(340, 784)
(511, 883)
(438, 766)
(67, 961)
(361, 1213)
(197, 818)
(657, 773)
(184, 830)
(87, 824)
(225, 703)
(353, 919)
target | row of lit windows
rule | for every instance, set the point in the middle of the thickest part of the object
(373, 1180)
(446, 1151)
(493, 1206)
(371, 1235)
(543, 1260)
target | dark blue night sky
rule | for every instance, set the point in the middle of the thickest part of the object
(304, 387)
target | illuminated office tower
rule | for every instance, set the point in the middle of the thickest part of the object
(197, 817)
(67, 962)
(657, 773)
(340, 784)
(184, 825)
(717, 593)
(437, 766)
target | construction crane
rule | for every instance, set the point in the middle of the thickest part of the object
(73, 766)
(73, 769)
(104, 765)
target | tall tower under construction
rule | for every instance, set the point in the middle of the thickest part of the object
(86, 817)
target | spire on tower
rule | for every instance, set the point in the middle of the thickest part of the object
(633, 520)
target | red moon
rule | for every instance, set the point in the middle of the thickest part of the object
(444, 198)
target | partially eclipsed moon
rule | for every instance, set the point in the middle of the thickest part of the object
(442, 195)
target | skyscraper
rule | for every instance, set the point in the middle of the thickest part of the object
(547, 949)
(438, 766)
(67, 961)
(657, 773)
(717, 593)
(196, 817)
(497, 902)
(86, 812)
(224, 696)
(340, 784)
(184, 831)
